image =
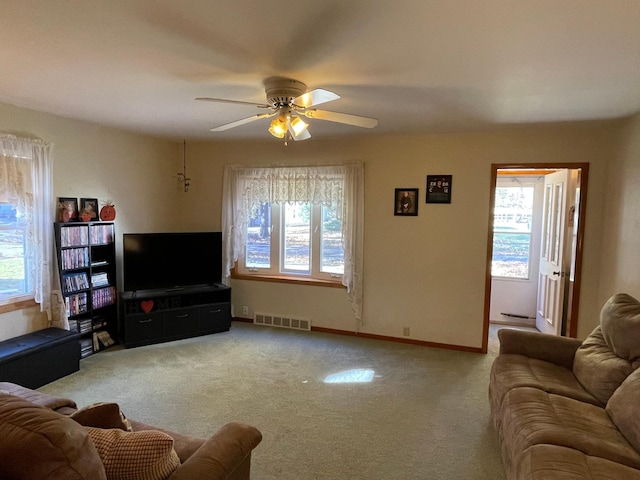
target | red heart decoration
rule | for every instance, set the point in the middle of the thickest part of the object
(147, 305)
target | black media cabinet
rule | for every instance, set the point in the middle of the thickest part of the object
(154, 316)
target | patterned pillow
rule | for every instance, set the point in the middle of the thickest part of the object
(102, 415)
(143, 455)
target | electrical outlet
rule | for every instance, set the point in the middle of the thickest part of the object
(406, 331)
(245, 310)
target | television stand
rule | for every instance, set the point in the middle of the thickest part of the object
(161, 315)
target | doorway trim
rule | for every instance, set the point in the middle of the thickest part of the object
(574, 288)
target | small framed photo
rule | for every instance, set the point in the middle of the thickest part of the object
(90, 206)
(67, 209)
(406, 202)
(439, 188)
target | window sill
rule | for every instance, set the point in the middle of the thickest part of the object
(298, 281)
(21, 305)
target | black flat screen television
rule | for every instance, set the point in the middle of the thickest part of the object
(171, 260)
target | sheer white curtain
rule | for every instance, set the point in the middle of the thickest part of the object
(26, 181)
(340, 186)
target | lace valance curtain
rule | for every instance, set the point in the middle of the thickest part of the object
(339, 186)
(16, 186)
(317, 185)
(26, 181)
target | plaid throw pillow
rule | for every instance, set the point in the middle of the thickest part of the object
(143, 455)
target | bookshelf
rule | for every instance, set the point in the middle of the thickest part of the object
(87, 267)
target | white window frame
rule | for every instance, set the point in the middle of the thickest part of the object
(27, 260)
(507, 182)
(277, 241)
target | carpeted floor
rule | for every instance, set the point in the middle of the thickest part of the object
(412, 413)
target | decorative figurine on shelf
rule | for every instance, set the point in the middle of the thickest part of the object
(108, 212)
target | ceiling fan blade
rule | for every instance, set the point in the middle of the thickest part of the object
(346, 118)
(237, 123)
(315, 97)
(237, 102)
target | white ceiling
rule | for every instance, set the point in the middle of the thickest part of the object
(416, 65)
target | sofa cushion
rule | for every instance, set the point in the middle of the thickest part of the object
(533, 417)
(36, 442)
(623, 408)
(512, 371)
(184, 445)
(550, 462)
(598, 369)
(620, 322)
(144, 455)
(102, 415)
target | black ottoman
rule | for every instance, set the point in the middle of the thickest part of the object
(38, 358)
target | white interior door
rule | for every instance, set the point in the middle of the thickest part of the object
(552, 275)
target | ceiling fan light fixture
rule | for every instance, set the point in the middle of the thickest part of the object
(298, 126)
(278, 127)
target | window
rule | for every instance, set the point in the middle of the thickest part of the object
(15, 283)
(294, 239)
(512, 218)
(27, 257)
(298, 222)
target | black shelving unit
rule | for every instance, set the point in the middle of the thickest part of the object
(87, 266)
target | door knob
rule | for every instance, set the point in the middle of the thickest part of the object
(556, 273)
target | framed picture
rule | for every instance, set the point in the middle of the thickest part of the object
(67, 209)
(406, 202)
(438, 189)
(89, 205)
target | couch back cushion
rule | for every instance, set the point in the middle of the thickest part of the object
(598, 369)
(624, 409)
(36, 442)
(609, 355)
(620, 322)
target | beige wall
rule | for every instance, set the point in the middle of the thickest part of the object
(620, 259)
(424, 272)
(137, 172)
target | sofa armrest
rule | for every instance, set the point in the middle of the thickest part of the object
(39, 398)
(224, 456)
(542, 346)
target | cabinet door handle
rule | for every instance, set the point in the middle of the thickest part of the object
(182, 316)
(148, 320)
(215, 311)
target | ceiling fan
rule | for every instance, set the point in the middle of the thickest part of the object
(288, 100)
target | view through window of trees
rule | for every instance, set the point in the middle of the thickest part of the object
(296, 239)
(512, 231)
(13, 269)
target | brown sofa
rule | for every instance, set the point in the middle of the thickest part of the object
(47, 437)
(570, 409)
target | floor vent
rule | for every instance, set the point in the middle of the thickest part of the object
(281, 321)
